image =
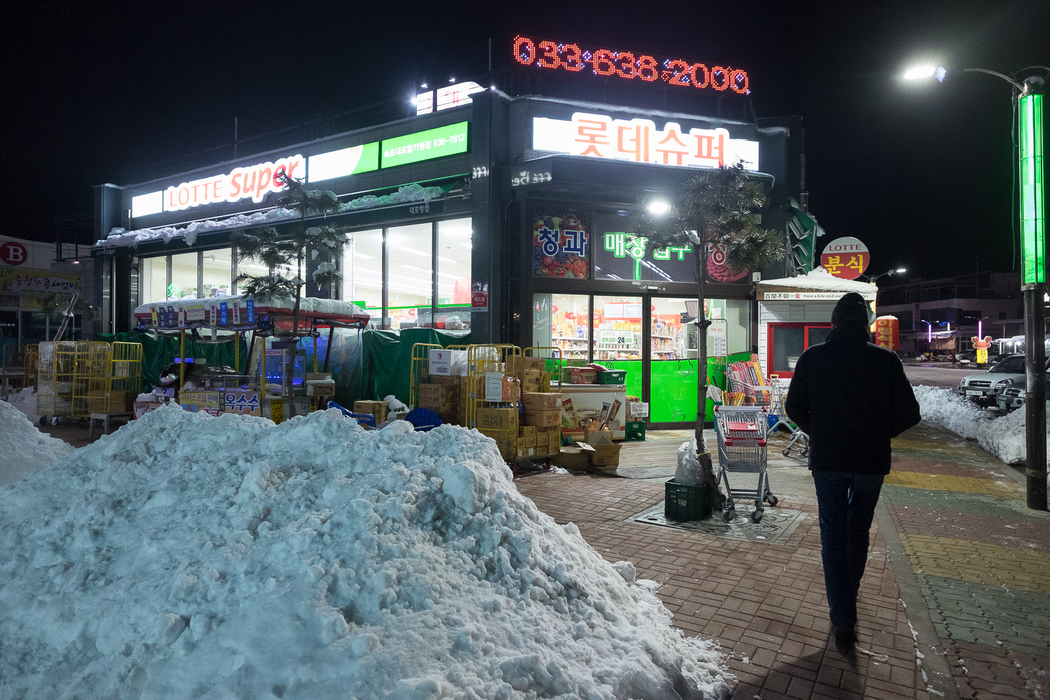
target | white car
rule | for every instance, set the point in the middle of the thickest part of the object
(983, 388)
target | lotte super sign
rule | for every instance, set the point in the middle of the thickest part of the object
(845, 258)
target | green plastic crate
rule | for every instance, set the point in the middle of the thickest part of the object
(634, 431)
(683, 502)
(612, 376)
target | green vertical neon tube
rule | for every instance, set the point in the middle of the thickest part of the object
(1033, 216)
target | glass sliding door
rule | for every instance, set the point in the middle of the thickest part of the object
(673, 363)
(616, 337)
(561, 321)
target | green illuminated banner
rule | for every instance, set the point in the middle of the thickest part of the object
(425, 145)
(1033, 216)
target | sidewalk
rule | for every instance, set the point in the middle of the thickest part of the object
(954, 603)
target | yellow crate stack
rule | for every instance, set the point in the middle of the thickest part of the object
(497, 419)
(125, 377)
(91, 378)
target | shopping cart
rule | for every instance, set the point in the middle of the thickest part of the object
(776, 408)
(741, 432)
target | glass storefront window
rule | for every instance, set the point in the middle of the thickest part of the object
(560, 321)
(409, 287)
(154, 279)
(617, 328)
(453, 264)
(256, 268)
(183, 276)
(788, 341)
(363, 272)
(218, 271)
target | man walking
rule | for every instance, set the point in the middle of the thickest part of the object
(851, 397)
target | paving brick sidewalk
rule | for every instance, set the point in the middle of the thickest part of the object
(954, 603)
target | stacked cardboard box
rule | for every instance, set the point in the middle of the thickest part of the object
(378, 409)
(444, 395)
(542, 409)
(541, 441)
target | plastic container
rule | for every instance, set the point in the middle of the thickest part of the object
(612, 376)
(634, 431)
(686, 503)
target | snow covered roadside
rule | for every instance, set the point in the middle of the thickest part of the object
(24, 449)
(187, 555)
(1002, 436)
(25, 401)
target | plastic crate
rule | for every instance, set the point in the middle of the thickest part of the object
(634, 431)
(683, 502)
(612, 376)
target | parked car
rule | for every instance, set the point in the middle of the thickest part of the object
(966, 358)
(1012, 397)
(982, 388)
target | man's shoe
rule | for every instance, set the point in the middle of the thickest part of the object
(845, 640)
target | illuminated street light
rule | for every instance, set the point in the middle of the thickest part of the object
(887, 273)
(1027, 97)
(658, 207)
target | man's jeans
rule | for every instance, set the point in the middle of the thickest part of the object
(847, 506)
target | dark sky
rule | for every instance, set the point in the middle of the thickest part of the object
(922, 175)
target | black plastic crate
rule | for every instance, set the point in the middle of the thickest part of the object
(683, 502)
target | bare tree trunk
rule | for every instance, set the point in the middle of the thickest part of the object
(702, 454)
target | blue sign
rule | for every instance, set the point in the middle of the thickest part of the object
(222, 313)
(171, 316)
(251, 310)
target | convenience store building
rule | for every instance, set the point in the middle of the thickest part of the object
(503, 215)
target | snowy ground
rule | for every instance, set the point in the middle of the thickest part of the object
(1001, 435)
(190, 556)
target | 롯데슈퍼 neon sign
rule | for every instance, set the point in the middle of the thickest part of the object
(627, 65)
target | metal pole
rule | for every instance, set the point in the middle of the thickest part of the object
(1035, 396)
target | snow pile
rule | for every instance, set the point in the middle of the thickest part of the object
(1001, 435)
(25, 449)
(25, 401)
(189, 556)
(820, 279)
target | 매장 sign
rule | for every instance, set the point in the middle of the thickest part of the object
(846, 258)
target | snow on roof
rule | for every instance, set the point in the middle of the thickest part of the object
(120, 237)
(188, 555)
(821, 280)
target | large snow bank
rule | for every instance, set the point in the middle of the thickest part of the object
(25, 401)
(23, 448)
(190, 556)
(1001, 435)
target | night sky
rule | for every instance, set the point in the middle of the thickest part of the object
(922, 175)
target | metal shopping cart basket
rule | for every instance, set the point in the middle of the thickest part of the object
(741, 432)
(776, 408)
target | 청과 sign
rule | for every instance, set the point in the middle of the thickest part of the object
(846, 258)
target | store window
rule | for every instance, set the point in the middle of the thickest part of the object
(363, 272)
(560, 321)
(410, 283)
(561, 243)
(183, 276)
(617, 328)
(619, 254)
(154, 279)
(453, 264)
(217, 268)
(787, 341)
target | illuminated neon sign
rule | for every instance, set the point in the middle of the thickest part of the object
(424, 145)
(638, 140)
(627, 65)
(255, 181)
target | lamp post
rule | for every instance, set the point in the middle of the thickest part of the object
(888, 273)
(1027, 96)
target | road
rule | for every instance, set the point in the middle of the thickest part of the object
(936, 373)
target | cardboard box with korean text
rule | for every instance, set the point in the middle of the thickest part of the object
(537, 401)
(543, 419)
(605, 453)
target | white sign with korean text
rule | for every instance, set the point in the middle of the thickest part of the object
(638, 140)
(493, 386)
(441, 362)
(719, 334)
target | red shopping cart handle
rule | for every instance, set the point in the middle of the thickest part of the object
(749, 441)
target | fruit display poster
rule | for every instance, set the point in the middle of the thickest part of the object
(561, 246)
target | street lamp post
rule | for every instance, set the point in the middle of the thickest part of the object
(888, 273)
(1028, 98)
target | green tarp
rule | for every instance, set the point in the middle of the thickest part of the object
(160, 351)
(388, 359)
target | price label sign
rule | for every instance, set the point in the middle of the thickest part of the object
(441, 362)
(719, 335)
(493, 386)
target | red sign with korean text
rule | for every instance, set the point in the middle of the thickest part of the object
(846, 258)
(886, 335)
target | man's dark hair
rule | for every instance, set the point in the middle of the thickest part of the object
(851, 310)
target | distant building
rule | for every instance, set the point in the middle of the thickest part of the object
(942, 315)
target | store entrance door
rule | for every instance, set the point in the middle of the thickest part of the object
(673, 360)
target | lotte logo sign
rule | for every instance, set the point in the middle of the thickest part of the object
(845, 258)
(13, 253)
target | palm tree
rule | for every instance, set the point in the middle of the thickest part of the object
(724, 205)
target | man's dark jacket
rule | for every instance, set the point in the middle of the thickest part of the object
(850, 397)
